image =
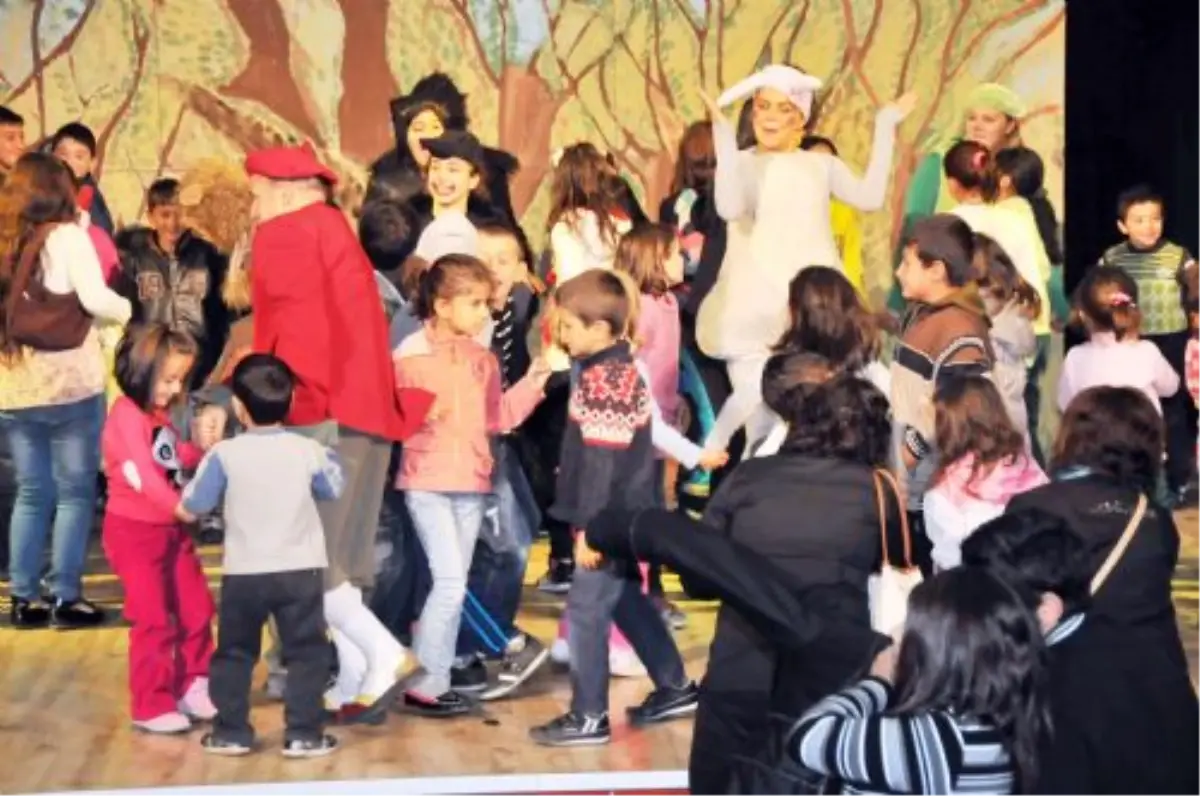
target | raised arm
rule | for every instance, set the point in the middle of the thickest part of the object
(735, 184)
(867, 192)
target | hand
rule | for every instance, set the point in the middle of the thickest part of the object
(585, 556)
(714, 110)
(184, 516)
(884, 666)
(713, 460)
(905, 104)
(540, 370)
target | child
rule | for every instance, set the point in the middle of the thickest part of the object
(686, 209)
(1155, 265)
(446, 469)
(945, 333)
(12, 140)
(586, 218)
(828, 319)
(173, 276)
(75, 145)
(274, 559)
(983, 461)
(1107, 306)
(454, 181)
(928, 721)
(167, 601)
(1011, 305)
(607, 460)
(843, 220)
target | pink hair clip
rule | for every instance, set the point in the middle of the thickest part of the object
(1121, 299)
(979, 159)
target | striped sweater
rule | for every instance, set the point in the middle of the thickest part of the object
(850, 736)
(1156, 272)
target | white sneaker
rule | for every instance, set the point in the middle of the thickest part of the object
(196, 703)
(167, 724)
(625, 663)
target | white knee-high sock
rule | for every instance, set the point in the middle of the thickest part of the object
(383, 654)
(352, 669)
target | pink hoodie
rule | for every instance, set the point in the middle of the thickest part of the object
(957, 504)
(106, 250)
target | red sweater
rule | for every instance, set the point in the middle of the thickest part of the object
(316, 307)
(142, 454)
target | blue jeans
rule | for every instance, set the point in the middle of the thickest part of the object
(56, 454)
(447, 523)
(497, 573)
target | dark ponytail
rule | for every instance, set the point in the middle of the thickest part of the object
(1025, 169)
(971, 165)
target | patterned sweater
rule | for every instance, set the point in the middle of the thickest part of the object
(1156, 272)
(607, 451)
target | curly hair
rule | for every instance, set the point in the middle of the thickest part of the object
(1114, 432)
(215, 198)
(845, 418)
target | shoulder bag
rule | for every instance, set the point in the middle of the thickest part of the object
(36, 317)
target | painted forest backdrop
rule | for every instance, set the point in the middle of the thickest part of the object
(165, 83)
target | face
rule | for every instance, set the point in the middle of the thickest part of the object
(778, 123)
(673, 265)
(165, 221)
(1143, 224)
(77, 157)
(502, 255)
(425, 124)
(12, 144)
(919, 282)
(988, 127)
(467, 313)
(451, 181)
(580, 339)
(172, 379)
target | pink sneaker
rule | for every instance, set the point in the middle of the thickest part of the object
(195, 702)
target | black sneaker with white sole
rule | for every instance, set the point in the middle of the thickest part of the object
(469, 678)
(573, 729)
(558, 579)
(665, 704)
(225, 747)
(75, 615)
(299, 748)
(518, 666)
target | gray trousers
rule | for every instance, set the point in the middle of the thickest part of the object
(351, 521)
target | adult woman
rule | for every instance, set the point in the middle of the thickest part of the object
(776, 201)
(51, 390)
(812, 511)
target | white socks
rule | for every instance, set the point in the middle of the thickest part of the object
(368, 655)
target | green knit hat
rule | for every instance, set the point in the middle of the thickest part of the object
(996, 97)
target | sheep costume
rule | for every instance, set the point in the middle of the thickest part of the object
(776, 206)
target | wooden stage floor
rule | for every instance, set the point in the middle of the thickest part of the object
(64, 722)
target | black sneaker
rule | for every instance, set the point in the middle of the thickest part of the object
(75, 615)
(28, 614)
(449, 705)
(573, 729)
(225, 747)
(519, 664)
(299, 748)
(558, 579)
(665, 704)
(469, 678)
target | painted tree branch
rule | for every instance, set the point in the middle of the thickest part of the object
(853, 55)
(164, 152)
(248, 133)
(141, 43)
(1040, 35)
(367, 82)
(40, 62)
(467, 25)
(910, 50)
(267, 77)
(998, 22)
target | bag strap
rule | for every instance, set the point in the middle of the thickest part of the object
(1118, 550)
(958, 345)
(880, 478)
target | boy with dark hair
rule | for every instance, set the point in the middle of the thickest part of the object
(269, 480)
(607, 461)
(12, 140)
(75, 145)
(1157, 266)
(1121, 702)
(173, 276)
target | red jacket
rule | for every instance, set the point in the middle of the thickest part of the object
(317, 308)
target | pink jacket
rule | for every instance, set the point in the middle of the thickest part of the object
(143, 457)
(451, 451)
(659, 334)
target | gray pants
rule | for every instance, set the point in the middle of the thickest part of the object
(350, 522)
(599, 597)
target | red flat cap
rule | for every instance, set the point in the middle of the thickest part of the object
(289, 163)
